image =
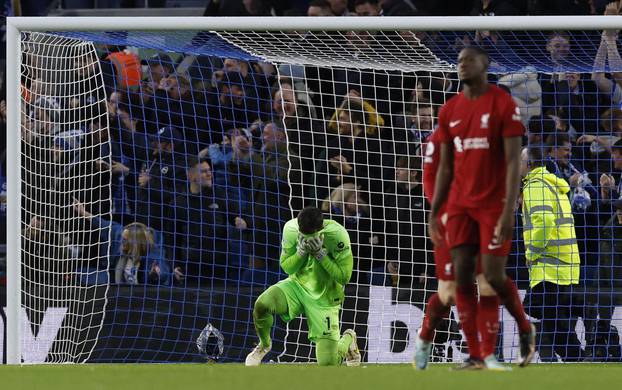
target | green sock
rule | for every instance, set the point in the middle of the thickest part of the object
(263, 327)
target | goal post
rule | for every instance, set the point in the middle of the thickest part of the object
(376, 80)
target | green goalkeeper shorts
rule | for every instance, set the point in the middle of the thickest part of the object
(323, 321)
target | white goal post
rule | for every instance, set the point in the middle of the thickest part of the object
(16, 25)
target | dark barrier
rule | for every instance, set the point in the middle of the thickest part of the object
(149, 324)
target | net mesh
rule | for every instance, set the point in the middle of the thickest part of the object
(160, 169)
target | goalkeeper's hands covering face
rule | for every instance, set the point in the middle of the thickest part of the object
(315, 246)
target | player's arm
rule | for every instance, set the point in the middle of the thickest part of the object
(338, 262)
(444, 176)
(337, 259)
(291, 259)
(512, 149)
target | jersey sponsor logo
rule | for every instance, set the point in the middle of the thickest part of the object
(471, 143)
(516, 116)
(484, 120)
(455, 123)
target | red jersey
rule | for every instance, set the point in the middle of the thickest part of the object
(431, 158)
(476, 129)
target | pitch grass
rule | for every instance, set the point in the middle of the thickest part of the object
(299, 377)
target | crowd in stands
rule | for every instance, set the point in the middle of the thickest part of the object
(207, 157)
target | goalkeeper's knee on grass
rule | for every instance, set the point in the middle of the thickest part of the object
(332, 352)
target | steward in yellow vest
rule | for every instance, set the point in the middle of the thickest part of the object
(552, 257)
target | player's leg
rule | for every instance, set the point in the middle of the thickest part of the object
(466, 299)
(494, 272)
(330, 348)
(494, 257)
(488, 323)
(277, 299)
(437, 308)
(438, 305)
(329, 352)
(270, 302)
(463, 238)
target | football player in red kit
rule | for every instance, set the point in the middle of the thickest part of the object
(439, 304)
(480, 133)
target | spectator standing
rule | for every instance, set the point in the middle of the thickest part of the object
(367, 8)
(406, 240)
(610, 264)
(161, 177)
(552, 254)
(200, 219)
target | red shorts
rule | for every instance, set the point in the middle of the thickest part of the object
(470, 226)
(442, 257)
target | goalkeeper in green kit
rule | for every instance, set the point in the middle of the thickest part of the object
(316, 255)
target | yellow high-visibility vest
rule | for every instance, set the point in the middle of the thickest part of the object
(548, 229)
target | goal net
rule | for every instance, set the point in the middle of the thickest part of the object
(158, 169)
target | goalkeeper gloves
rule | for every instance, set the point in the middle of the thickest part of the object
(301, 247)
(315, 247)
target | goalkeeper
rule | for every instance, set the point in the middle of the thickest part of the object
(317, 257)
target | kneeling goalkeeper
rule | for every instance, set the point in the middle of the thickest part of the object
(317, 257)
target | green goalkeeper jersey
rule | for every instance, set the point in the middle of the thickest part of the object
(323, 280)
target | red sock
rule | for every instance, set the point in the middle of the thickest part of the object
(511, 300)
(488, 323)
(435, 311)
(466, 302)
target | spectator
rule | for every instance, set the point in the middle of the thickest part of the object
(229, 106)
(609, 191)
(123, 65)
(354, 154)
(136, 250)
(295, 115)
(406, 240)
(561, 7)
(558, 46)
(526, 92)
(608, 53)
(552, 255)
(419, 124)
(581, 195)
(348, 205)
(221, 154)
(597, 155)
(44, 243)
(610, 274)
(539, 129)
(319, 8)
(274, 172)
(339, 7)
(578, 97)
(398, 8)
(176, 106)
(160, 177)
(494, 8)
(367, 8)
(200, 219)
(160, 66)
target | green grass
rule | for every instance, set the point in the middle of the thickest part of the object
(295, 377)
